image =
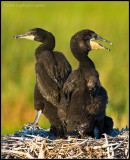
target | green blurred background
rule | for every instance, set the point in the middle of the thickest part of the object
(108, 19)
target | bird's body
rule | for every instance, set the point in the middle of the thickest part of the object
(52, 69)
(83, 102)
(49, 111)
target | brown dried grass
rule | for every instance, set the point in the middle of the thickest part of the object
(38, 143)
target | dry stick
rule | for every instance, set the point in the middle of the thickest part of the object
(7, 157)
(120, 144)
(16, 152)
(105, 146)
(29, 156)
(41, 152)
(127, 150)
(75, 156)
(108, 149)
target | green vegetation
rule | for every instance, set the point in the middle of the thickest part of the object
(108, 19)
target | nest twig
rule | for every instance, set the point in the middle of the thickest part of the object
(39, 143)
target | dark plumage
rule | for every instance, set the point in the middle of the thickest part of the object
(83, 103)
(52, 69)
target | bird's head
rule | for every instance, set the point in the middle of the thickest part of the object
(85, 40)
(36, 34)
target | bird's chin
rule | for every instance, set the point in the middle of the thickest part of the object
(95, 45)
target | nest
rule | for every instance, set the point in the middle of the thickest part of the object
(38, 143)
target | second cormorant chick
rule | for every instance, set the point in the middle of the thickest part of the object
(83, 102)
(52, 69)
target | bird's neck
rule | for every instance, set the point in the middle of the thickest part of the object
(81, 54)
(87, 63)
(43, 47)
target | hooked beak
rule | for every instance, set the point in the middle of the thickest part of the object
(26, 35)
(95, 45)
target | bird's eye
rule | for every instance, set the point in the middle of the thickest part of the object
(95, 36)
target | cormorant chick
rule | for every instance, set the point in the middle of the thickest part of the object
(83, 103)
(52, 69)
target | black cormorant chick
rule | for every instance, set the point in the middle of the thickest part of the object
(52, 69)
(83, 102)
